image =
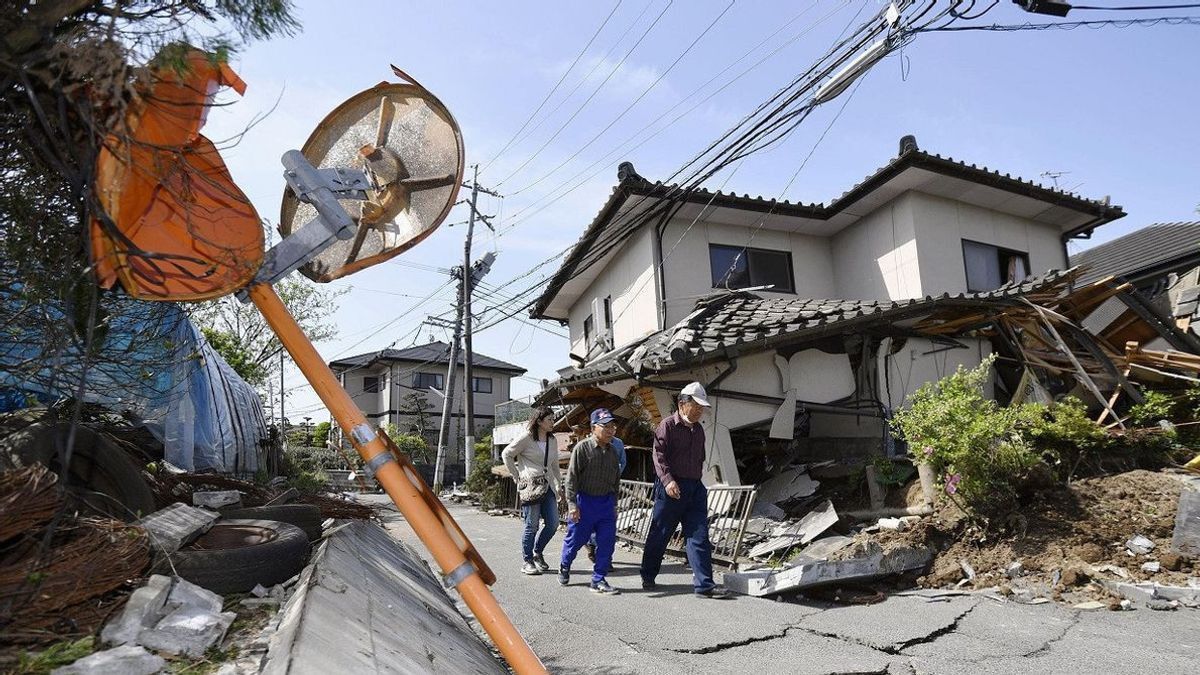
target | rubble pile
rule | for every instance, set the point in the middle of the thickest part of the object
(169, 487)
(1100, 539)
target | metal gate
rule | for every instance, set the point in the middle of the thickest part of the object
(729, 509)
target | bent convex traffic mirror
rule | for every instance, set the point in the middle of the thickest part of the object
(411, 150)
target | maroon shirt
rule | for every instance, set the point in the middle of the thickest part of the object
(678, 450)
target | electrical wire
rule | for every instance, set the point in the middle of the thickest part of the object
(1072, 25)
(629, 107)
(553, 89)
(588, 100)
(1136, 8)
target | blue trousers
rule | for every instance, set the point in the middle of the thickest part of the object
(691, 512)
(547, 512)
(596, 515)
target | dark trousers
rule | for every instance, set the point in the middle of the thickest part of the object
(597, 514)
(690, 511)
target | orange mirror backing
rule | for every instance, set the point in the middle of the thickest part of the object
(176, 226)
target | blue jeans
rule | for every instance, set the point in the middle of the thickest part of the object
(546, 511)
(596, 515)
(690, 511)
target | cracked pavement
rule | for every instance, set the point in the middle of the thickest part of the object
(670, 631)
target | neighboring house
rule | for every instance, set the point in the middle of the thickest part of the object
(1161, 261)
(390, 387)
(800, 317)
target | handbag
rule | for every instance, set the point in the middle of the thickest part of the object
(533, 489)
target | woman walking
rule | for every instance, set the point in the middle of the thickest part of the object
(532, 460)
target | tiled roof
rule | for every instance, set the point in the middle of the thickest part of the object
(744, 322)
(1154, 249)
(607, 230)
(434, 352)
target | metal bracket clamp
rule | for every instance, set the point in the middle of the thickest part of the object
(363, 433)
(458, 575)
(375, 463)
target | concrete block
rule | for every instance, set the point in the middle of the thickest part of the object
(1139, 544)
(216, 499)
(176, 526)
(1186, 539)
(187, 594)
(815, 573)
(188, 631)
(797, 534)
(144, 608)
(792, 483)
(123, 660)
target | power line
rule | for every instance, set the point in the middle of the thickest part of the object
(629, 107)
(555, 87)
(590, 96)
(1072, 25)
(602, 162)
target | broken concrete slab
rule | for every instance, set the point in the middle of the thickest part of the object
(288, 495)
(123, 660)
(176, 526)
(767, 510)
(1148, 592)
(814, 573)
(1139, 545)
(821, 549)
(1186, 538)
(188, 631)
(797, 534)
(144, 608)
(216, 499)
(1090, 606)
(186, 594)
(792, 483)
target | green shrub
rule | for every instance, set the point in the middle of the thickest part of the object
(975, 446)
(415, 447)
(1066, 436)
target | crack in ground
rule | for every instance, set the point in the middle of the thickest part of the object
(897, 649)
(738, 643)
(1046, 647)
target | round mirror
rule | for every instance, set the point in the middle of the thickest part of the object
(411, 149)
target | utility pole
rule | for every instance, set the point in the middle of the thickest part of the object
(472, 273)
(282, 425)
(439, 469)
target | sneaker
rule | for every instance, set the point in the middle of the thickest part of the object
(716, 593)
(540, 561)
(530, 568)
(603, 588)
(564, 575)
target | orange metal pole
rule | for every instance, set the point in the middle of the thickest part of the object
(407, 497)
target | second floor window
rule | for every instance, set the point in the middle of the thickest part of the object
(739, 267)
(371, 384)
(589, 331)
(990, 267)
(482, 385)
(424, 381)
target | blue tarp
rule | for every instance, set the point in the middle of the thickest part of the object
(151, 364)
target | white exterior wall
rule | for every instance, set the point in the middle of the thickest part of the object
(629, 279)
(942, 224)
(688, 269)
(876, 257)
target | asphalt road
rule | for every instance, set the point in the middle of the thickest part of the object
(668, 630)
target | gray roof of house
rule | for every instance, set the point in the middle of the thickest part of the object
(434, 352)
(1151, 251)
(743, 322)
(607, 230)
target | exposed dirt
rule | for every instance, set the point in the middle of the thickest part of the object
(1063, 533)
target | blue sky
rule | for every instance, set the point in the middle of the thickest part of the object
(1113, 110)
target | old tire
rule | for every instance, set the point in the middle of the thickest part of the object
(236, 555)
(102, 475)
(307, 517)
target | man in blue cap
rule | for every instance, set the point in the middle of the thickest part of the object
(593, 479)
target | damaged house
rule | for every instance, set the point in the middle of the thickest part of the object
(810, 323)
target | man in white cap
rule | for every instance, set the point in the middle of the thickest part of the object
(679, 496)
